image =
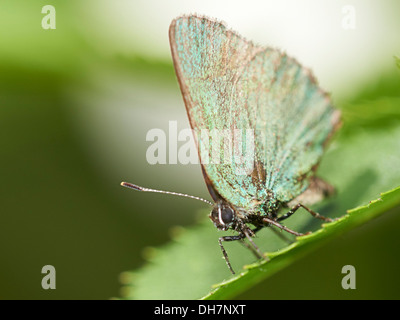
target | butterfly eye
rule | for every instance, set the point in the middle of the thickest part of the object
(226, 215)
(222, 215)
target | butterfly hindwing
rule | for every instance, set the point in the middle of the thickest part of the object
(293, 119)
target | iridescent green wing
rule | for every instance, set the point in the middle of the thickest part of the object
(229, 83)
(293, 118)
(209, 61)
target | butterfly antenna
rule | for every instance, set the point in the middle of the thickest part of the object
(138, 188)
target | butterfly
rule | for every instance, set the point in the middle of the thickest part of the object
(229, 83)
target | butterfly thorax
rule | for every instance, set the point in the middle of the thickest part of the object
(270, 208)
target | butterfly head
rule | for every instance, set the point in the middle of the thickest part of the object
(223, 216)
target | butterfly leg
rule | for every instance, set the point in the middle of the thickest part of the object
(276, 224)
(282, 236)
(254, 251)
(254, 248)
(229, 238)
(296, 207)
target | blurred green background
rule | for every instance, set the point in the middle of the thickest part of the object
(76, 104)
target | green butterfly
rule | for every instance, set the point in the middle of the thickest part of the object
(230, 84)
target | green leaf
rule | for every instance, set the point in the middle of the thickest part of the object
(260, 270)
(361, 162)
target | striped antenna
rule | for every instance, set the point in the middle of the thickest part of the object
(138, 188)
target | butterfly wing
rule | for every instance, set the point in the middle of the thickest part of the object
(293, 118)
(229, 83)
